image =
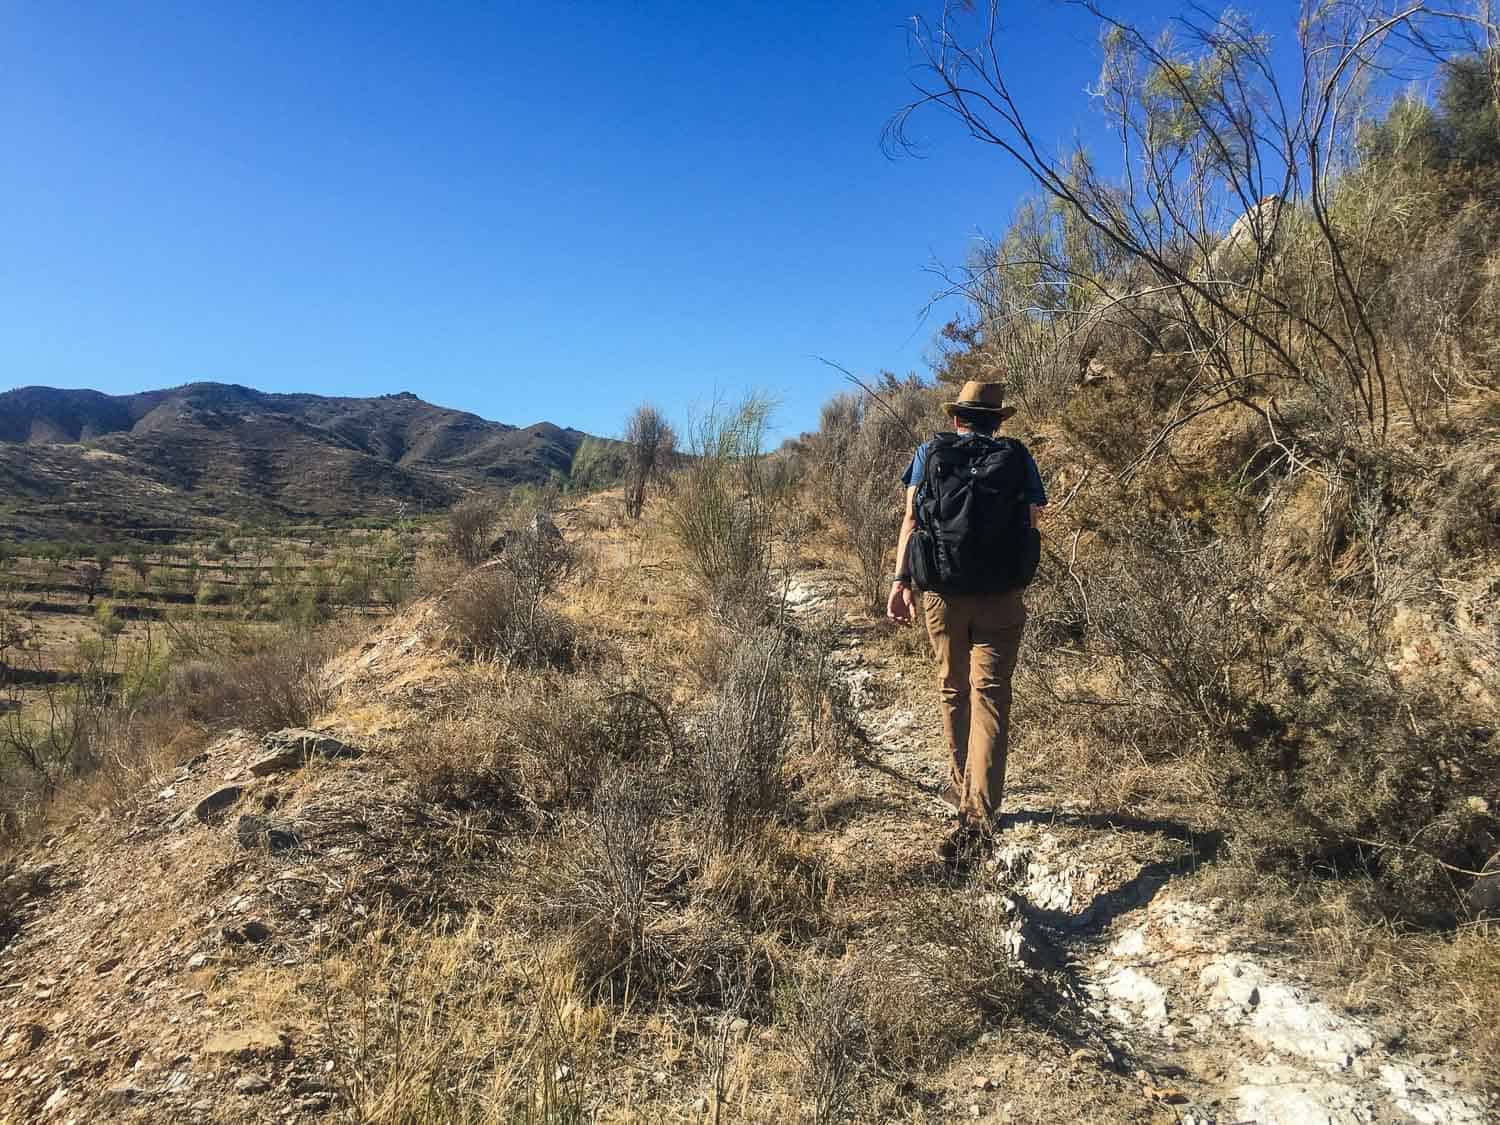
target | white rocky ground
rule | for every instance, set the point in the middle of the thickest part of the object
(1232, 1035)
(125, 992)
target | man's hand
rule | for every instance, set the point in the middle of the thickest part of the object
(899, 606)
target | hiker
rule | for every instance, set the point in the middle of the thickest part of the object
(969, 543)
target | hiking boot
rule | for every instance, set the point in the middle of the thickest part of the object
(962, 846)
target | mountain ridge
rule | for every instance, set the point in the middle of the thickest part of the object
(197, 455)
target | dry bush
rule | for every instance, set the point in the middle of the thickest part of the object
(544, 739)
(772, 882)
(500, 611)
(721, 512)
(828, 1031)
(863, 445)
(471, 528)
(491, 614)
(605, 889)
(738, 770)
(283, 685)
(651, 444)
(103, 738)
(1175, 651)
(961, 944)
(448, 1025)
(830, 720)
(1469, 968)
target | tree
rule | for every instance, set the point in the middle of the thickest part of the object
(1209, 131)
(1469, 99)
(90, 577)
(650, 442)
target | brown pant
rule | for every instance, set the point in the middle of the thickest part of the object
(975, 638)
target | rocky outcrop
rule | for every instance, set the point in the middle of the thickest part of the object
(1252, 240)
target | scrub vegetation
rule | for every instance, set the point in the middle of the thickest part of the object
(624, 839)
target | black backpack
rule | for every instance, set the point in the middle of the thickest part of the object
(973, 533)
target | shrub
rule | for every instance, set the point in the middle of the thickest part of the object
(721, 512)
(650, 443)
(822, 694)
(491, 615)
(471, 528)
(739, 767)
(600, 885)
(596, 464)
(547, 737)
(829, 1036)
(281, 685)
(862, 447)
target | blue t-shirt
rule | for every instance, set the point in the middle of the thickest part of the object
(1033, 491)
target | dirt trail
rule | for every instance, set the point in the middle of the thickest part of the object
(1215, 1030)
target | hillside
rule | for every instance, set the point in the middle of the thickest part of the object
(197, 456)
(491, 891)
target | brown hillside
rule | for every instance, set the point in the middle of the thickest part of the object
(79, 462)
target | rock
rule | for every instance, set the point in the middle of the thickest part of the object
(1233, 982)
(1136, 989)
(252, 1084)
(197, 961)
(1251, 240)
(277, 762)
(257, 1040)
(292, 747)
(1484, 895)
(24, 1039)
(1287, 1022)
(109, 964)
(268, 833)
(1278, 1095)
(121, 1094)
(28, 882)
(211, 808)
(251, 931)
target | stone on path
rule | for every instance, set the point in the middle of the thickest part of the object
(257, 1040)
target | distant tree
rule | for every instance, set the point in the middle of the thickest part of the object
(90, 577)
(136, 557)
(650, 443)
(1468, 99)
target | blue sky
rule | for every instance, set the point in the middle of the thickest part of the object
(528, 211)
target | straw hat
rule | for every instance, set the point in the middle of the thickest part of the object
(981, 398)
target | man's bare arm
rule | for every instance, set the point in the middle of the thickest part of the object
(899, 605)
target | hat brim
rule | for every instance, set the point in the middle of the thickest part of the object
(1003, 412)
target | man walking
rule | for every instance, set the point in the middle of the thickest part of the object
(969, 543)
